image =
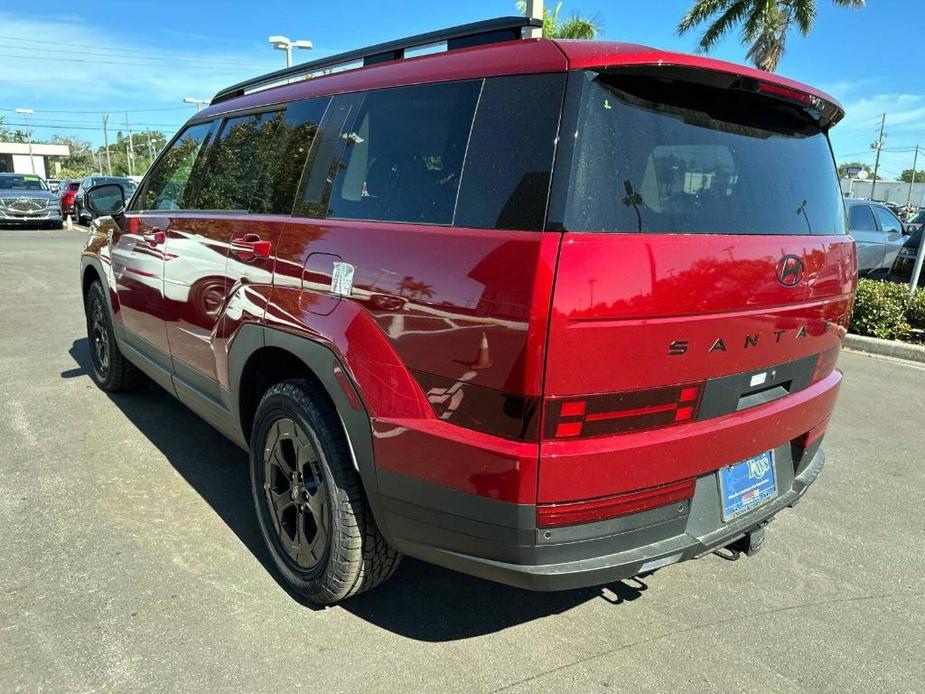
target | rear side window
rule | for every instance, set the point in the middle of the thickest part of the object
(860, 218)
(668, 156)
(238, 155)
(166, 187)
(506, 180)
(404, 155)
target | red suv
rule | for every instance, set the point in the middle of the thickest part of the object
(550, 313)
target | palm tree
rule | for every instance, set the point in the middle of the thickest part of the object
(765, 24)
(575, 27)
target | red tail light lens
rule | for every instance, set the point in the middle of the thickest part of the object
(574, 512)
(614, 413)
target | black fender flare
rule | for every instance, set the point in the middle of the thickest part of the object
(324, 364)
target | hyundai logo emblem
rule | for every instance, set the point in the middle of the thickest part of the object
(789, 270)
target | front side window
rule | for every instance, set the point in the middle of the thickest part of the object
(670, 156)
(889, 223)
(860, 218)
(167, 186)
(405, 153)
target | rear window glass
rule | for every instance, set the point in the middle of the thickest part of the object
(671, 157)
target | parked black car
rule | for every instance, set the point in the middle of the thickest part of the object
(905, 261)
(81, 213)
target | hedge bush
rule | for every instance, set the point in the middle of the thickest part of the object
(915, 310)
(880, 309)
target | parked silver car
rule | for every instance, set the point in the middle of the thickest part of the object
(878, 233)
(25, 200)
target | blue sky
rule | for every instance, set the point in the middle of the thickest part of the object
(70, 63)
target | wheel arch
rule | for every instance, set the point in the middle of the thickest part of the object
(260, 356)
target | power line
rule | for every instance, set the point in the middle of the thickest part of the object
(95, 47)
(122, 63)
(136, 110)
(213, 63)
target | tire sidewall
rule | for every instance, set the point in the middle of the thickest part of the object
(96, 295)
(278, 405)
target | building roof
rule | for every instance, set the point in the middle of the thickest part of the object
(38, 150)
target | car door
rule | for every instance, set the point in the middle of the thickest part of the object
(139, 248)
(863, 228)
(891, 236)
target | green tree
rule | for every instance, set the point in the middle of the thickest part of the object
(910, 176)
(81, 161)
(574, 27)
(764, 24)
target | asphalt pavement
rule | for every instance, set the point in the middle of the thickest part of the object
(130, 558)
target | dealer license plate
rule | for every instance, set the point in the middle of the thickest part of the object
(747, 485)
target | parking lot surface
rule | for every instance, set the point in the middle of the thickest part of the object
(130, 558)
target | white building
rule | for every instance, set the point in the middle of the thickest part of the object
(14, 158)
(887, 191)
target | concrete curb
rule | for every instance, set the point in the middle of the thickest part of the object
(885, 348)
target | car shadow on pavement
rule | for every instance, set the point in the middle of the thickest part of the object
(422, 601)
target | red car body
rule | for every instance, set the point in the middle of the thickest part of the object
(66, 193)
(547, 408)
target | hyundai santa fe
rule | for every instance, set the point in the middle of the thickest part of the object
(552, 313)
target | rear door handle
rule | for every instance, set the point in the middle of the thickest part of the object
(251, 246)
(155, 237)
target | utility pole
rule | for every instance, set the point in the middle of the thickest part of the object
(106, 142)
(915, 160)
(131, 147)
(878, 145)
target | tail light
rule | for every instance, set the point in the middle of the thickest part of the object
(788, 94)
(614, 413)
(590, 510)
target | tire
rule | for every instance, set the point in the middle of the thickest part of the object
(309, 499)
(110, 370)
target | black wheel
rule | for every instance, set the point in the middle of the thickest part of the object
(109, 369)
(310, 503)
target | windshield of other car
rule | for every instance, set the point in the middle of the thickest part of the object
(669, 156)
(22, 182)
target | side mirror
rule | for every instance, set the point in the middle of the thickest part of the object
(906, 230)
(105, 199)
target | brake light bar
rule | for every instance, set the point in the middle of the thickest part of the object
(613, 413)
(788, 94)
(590, 510)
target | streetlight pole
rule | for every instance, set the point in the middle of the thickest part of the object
(284, 43)
(25, 113)
(199, 103)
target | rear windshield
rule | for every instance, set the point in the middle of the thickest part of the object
(668, 156)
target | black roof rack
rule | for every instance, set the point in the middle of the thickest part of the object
(463, 36)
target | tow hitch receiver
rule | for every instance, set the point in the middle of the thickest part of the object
(748, 544)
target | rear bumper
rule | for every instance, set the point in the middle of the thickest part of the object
(499, 541)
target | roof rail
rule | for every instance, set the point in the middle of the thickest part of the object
(463, 36)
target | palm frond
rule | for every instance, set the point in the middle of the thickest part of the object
(576, 27)
(804, 12)
(732, 16)
(701, 12)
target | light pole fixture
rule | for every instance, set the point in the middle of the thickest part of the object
(198, 103)
(284, 43)
(25, 113)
